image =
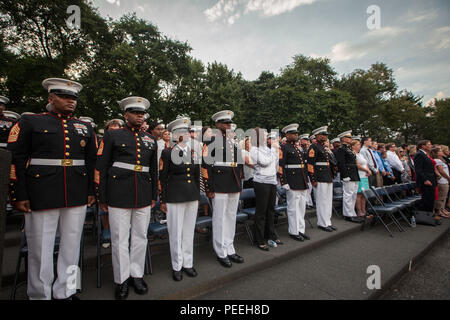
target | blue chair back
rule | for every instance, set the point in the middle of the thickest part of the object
(247, 194)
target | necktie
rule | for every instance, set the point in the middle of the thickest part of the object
(373, 159)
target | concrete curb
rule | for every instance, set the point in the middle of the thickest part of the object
(405, 269)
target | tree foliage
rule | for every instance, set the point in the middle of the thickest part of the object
(114, 59)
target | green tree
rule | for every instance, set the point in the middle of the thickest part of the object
(37, 43)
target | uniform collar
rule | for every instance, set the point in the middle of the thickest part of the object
(60, 115)
(132, 129)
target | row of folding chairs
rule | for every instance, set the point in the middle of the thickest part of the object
(391, 204)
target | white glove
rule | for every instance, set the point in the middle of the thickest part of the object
(346, 179)
(286, 187)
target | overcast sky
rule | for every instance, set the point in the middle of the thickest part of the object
(251, 36)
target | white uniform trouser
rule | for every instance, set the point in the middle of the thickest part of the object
(349, 199)
(225, 207)
(309, 201)
(324, 203)
(128, 260)
(296, 208)
(181, 218)
(40, 230)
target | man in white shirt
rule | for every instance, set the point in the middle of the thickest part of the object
(394, 161)
(372, 163)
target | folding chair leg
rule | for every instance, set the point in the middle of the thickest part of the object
(249, 232)
(395, 221)
(99, 252)
(148, 261)
(16, 278)
(309, 221)
(404, 218)
(378, 217)
(80, 263)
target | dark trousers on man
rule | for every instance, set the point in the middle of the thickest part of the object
(428, 197)
(264, 226)
(398, 175)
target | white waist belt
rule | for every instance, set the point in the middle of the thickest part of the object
(294, 166)
(321, 163)
(3, 145)
(225, 164)
(57, 162)
(131, 167)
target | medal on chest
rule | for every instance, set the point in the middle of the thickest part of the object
(80, 128)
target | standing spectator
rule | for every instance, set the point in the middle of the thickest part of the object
(446, 158)
(381, 170)
(156, 129)
(443, 182)
(411, 153)
(389, 178)
(205, 139)
(364, 173)
(394, 161)
(425, 175)
(265, 159)
(248, 164)
(370, 159)
(406, 175)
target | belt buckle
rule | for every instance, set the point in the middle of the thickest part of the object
(66, 162)
(138, 168)
(233, 164)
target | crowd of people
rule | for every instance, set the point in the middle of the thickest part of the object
(60, 166)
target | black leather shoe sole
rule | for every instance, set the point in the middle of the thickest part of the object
(333, 228)
(140, 289)
(190, 272)
(326, 229)
(297, 238)
(121, 294)
(236, 259)
(304, 236)
(177, 275)
(225, 262)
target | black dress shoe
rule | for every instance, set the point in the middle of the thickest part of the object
(236, 258)
(225, 262)
(297, 237)
(333, 228)
(191, 272)
(122, 291)
(327, 229)
(354, 219)
(140, 287)
(177, 275)
(304, 236)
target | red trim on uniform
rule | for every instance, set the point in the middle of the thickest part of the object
(135, 177)
(65, 177)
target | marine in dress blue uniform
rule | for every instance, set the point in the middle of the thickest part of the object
(179, 185)
(127, 178)
(52, 182)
